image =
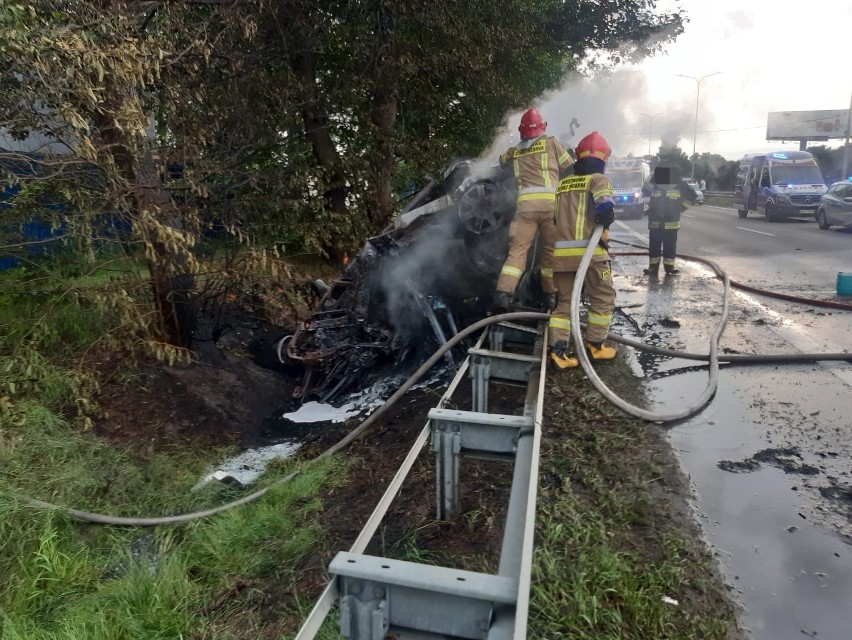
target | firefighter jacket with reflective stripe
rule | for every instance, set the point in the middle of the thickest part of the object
(666, 202)
(537, 164)
(576, 198)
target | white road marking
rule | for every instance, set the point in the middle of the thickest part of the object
(763, 233)
(686, 215)
(713, 206)
(797, 335)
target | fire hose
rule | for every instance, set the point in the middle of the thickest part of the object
(713, 357)
(594, 378)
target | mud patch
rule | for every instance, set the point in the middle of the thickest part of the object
(740, 466)
(788, 459)
(839, 494)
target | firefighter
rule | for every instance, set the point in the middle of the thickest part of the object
(667, 198)
(538, 162)
(583, 201)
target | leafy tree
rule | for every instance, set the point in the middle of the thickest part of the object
(285, 123)
(719, 173)
(830, 161)
(77, 79)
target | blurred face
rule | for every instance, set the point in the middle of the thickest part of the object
(662, 175)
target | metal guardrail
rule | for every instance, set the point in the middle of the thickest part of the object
(380, 596)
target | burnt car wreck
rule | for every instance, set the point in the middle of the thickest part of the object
(412, 287)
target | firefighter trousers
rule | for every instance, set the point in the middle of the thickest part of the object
(601, 292)
(522, 232)
(662, 247)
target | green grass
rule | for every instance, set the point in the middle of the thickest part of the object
(609, 546)
(66, 579)
(228, 576)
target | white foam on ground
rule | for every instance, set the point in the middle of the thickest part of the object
(320, 412)
(247, 467)
(250, 464)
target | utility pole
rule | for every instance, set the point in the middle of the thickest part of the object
(695, 126)
(847, 172)
(650, 126)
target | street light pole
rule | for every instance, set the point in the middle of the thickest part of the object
(630, 142)
(845, 168)
(695, 125)
(650, 126)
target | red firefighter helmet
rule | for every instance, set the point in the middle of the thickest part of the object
(594, 145)
(532, 124)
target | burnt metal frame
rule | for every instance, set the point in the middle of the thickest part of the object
(377, 595)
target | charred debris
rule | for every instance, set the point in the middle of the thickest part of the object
(411, 288)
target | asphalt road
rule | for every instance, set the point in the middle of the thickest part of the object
(792, 255)
(771, 457)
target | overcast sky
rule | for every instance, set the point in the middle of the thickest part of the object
(773, 57)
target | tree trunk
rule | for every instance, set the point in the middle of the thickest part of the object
(382, 156)
(172, 281)
(383, 115)
(303, 61)
(171, 285)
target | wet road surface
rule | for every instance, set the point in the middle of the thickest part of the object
(771, 458)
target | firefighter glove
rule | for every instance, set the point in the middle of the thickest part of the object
(605, 214)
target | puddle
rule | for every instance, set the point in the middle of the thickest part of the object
(770, 460)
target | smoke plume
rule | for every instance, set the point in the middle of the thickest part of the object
(613, 105)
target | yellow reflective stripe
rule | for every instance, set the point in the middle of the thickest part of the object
(654, 261)
(669, 262)
(511, 271)
(559, 323)
(672, 226)
(537, 196)
(564, 157)
(546, 273)
(597, 154)
(580, 226)
(517, 166)
(687, 204)
(545, 174)
(600, 319)
(606, 191)
(576, 251)
(526, 190)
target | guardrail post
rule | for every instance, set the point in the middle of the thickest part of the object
(363, 610)
(446, 444)
(480, 373)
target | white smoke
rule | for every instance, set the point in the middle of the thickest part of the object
(611, 104)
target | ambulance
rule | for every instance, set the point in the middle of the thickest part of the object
(627, 176)
(779, 184)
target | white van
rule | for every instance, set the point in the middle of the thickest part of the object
(628, 175)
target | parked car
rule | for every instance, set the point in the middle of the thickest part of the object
(698, 192)
(835, 206)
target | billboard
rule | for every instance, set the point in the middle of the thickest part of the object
(807, 125)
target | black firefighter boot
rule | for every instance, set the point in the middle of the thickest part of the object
(653, 270)
(671, 271)
(561, 359)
